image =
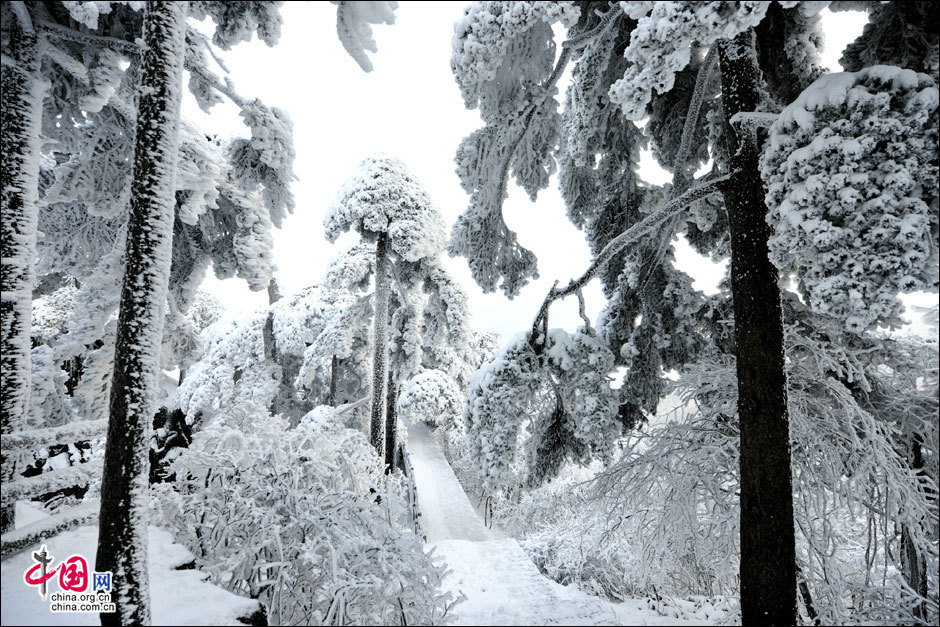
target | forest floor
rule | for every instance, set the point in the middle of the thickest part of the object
(501, 585)
(178, 597)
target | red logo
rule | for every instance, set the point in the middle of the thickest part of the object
(73, 574)
(41, 579)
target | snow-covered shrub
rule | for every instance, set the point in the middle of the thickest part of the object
(563, 531)
(674, 493)
(232, 372)
(304, 519)
(851, 171)
(432, 397)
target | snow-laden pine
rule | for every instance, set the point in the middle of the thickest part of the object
(708, 78)
(384, 203)
(850, 170)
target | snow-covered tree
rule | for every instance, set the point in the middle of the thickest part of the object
(708, 77)
(561, 400)
(850, 170)
(384, 203)
(20, 118)
(857, 411)
(123, 520)
(260, 358)
(230, 194)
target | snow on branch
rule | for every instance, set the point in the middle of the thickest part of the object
(66, 434)
(644, 227)
(851, 171)
(354, 22)
(28, 487)
(57, 31)
(660, 45)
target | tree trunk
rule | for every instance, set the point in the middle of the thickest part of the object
(380, 345)
(21, 92)
(768, 559)
(274, 291)
(334, 366)
(122, 538)
(913, 563)
(390, 424)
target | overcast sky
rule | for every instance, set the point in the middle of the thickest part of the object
(409, 107)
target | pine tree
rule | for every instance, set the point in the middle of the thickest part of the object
(122, 537)
(646, 60)
(386, 204)
(768, 558)
(22, 89)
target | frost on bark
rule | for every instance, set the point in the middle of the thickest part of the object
(122, 539)
(391, 421)
(380, 346)
(19, 181)
(768, 561)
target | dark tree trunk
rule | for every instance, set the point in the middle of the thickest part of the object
(274, 291)
(334, 366)
(21, 97)
(768, 559)
(122, 539)
(75, 367)
(380, 345)
(390, 424)
(913, 563)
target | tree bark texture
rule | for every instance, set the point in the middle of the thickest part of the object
(391, 422)
(380, 345)
(21, 91)
(122, 540)
(334, 368)
(768, 559)
(913, 563)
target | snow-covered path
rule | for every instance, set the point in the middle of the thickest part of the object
(501, 584)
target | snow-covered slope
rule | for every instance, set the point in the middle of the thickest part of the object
(501, 584)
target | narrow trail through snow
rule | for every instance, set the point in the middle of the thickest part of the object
(501, 584)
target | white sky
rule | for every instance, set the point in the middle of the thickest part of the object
(408, 107)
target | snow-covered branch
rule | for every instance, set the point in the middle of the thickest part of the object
(57, 31)
(646, 225)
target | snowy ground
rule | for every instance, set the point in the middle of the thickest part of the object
(178, 597)
(501, 584)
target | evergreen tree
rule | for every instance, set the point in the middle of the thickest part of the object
(384, 203)
(123, 522)
(22, 89)
(647, 60)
